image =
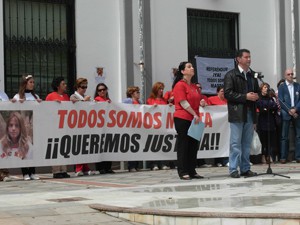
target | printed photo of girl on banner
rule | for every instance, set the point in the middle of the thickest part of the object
(16, 135)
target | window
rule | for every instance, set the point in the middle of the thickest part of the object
(38, 39)
(212, 34)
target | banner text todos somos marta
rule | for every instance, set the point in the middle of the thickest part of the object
(66, 133)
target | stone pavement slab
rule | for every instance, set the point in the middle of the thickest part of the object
(142, 196)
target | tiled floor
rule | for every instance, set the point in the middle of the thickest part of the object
(156, 197)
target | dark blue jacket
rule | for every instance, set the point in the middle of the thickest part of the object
(267, 111)
(285, 100)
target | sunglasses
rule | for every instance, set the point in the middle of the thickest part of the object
(290, 74)
(83, 87)
(100, 90)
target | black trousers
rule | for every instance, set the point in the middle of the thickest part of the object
(267, 145)
(186, 148)
(28, 170)
(106, 165)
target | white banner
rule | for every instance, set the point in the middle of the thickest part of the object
(65, 133)
(211, 72)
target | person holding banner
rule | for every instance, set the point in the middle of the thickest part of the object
(241, 91)
(59, 87)
(27, 93)
(133, 97)
(187, 99)
(4, 173)
(219, 99)
(79, 95)
(101, 95)
(156, 98)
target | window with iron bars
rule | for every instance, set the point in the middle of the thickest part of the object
(39, 39)
(211, 34)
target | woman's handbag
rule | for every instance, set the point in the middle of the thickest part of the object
(255, 145)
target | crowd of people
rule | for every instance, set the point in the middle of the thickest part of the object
(250, 107)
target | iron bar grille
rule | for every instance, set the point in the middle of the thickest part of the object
(211, 34)
(38, 39)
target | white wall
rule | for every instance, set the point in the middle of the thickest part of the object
(1, 49)
(98, 40)
(169, 33)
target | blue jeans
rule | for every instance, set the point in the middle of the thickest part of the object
(285, 138)
(240, 143)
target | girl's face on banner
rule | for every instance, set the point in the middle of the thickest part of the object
(14, 128)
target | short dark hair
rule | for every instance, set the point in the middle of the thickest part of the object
(219, 88)
(56, 82)
(240, 52)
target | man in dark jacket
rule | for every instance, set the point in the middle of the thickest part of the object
(240, 90)
(289, 98)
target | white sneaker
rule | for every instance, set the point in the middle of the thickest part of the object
(132, 170)
(155, 168)
(26, 177)
(7, 179)
(165, 168)
(34, 177)
(79, 173)
(90, 172)
(219, 165)
(227, 164)
(206, 165)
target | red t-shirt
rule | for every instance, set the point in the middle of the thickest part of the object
(54, 96)
(168, 95)
(157, 101)
(191, 93)
(215, 100)
(101, 99)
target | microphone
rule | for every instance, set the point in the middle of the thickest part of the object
(258, 75)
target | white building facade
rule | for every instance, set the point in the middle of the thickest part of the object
(108, 33)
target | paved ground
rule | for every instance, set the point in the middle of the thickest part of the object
(67, 201)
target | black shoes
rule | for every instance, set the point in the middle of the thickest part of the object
(110, 171)
(235, 174)
(196, 176)
(102, 172)
(106, 171)
(61, 175)
(249, 173)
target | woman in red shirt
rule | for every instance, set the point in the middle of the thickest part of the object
(101, 95)
(187, 98)
(59, 87)
(133, 97)
(219, 99)
(156, 98)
